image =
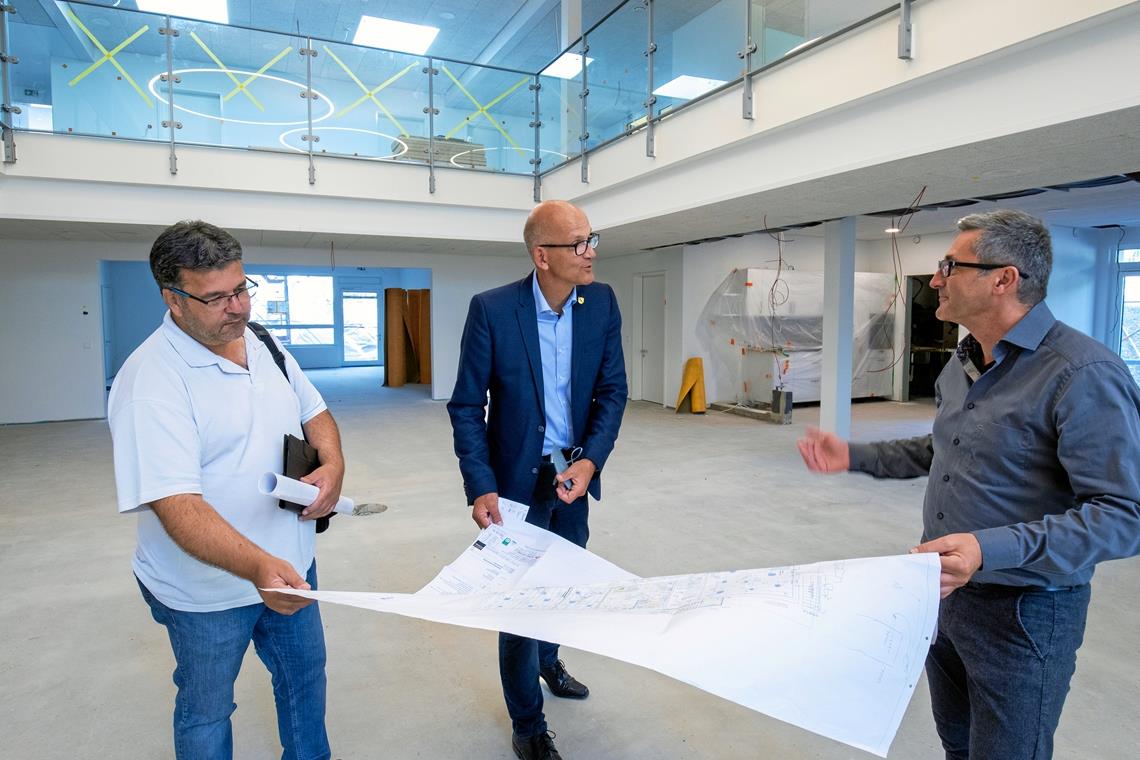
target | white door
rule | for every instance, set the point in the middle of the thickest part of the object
(653, 338)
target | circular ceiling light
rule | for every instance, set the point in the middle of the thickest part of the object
(402, 151)
(299, 85)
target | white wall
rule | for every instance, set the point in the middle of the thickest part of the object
(622, 272)
(135, 308)
(51, 318)
(1073, 284)
(51, 332)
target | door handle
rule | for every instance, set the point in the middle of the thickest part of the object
(645, 352)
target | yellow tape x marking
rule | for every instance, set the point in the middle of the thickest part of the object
(371, 94)
(109, 55)
(482, 109)
(241, 87)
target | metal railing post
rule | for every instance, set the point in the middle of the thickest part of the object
(431, 112)
(310, 139)
(746, 56)
(169, 123)
(536, 160)
(906, 32)
(585, 96)
(650, 98)
(7, 109)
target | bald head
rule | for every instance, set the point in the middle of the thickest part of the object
(547, 221)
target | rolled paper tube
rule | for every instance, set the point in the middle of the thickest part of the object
(296, 492)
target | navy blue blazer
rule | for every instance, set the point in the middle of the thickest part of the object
(500, 451)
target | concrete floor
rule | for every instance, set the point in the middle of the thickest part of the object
(84, 672)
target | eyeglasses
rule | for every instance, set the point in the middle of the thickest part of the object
(579, 246)
(946, 266)
(219, 302)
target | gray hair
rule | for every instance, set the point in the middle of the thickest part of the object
(1017, 239)
(194, 245)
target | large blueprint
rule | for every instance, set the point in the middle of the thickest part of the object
(833, 647)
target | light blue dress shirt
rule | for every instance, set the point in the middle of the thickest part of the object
(556, 345)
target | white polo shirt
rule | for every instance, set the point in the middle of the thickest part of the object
(185, 420)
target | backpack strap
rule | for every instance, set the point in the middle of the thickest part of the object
(264, 336)
(279, 358)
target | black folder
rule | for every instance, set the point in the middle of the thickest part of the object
(300, 459)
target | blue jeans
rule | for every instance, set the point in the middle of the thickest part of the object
(519, 657)
(208, 651)
(999, 670)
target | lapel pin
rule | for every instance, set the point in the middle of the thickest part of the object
(581, 299)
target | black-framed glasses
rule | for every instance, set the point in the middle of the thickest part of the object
(219, 302)
(579, 246)
(946, 266)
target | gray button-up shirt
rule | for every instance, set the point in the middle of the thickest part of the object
(1039, 458)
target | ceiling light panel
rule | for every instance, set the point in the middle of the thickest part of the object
(566, 66)
(686, 87)
(394, 35)
(205, 10)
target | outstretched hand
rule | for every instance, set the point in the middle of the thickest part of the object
(824, 452)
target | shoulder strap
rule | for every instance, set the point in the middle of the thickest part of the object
(278, 357)
(267, 339)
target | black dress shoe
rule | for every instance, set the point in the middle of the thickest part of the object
(540, 747)
(562, 684)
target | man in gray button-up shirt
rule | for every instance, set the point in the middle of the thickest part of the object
(1033, 480)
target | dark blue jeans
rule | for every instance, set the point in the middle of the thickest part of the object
(208, 651)
(520, 658)
(999, 670)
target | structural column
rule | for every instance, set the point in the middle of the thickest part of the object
(838, 326)
(569, 30)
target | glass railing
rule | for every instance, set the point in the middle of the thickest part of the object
(86, 68)
(688, 62)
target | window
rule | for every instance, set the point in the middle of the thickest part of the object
(1128, 314)
(297, 308)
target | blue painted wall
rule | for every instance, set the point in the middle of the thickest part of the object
(134, 309)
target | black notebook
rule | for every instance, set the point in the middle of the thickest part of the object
(300, 459)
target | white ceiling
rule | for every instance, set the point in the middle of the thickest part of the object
(1073, 151)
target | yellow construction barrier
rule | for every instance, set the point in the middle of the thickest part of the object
(692, 395)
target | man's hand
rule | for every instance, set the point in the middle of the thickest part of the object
(960, 555)
(824, 452)
(329, 478)
(273, 572)
(580, 473)
(486, 510)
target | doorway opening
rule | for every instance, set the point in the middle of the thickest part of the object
(932, 341)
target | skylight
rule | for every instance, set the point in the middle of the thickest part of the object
(567, 66)
(686, 87)
(394, 35)
(206, 10)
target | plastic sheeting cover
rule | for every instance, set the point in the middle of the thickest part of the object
(763, 331)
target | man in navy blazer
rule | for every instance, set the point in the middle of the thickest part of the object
(548, 350)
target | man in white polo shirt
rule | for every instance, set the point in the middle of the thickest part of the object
(197, 413)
